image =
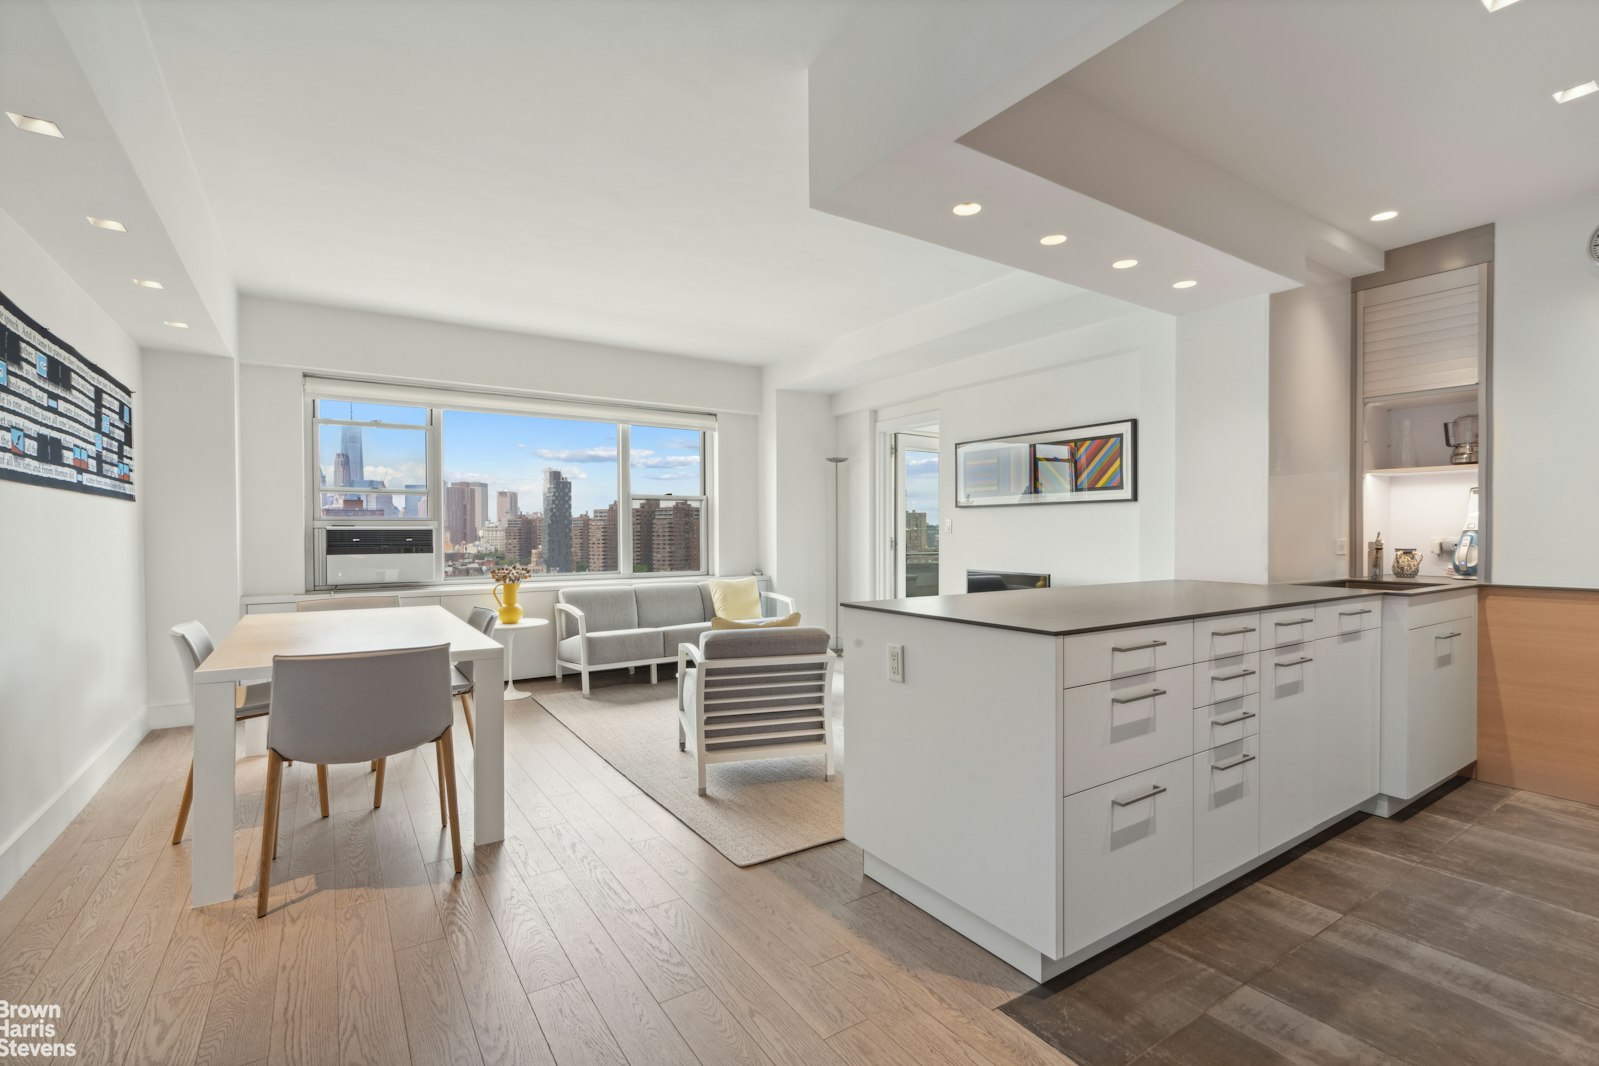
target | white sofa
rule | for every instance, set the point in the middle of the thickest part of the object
(604, 627)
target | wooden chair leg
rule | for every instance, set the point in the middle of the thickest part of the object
(322, 787)
(438, 754)
(183, 807)
(466, 708)
(269, 830)
(374, 766)
(448, 749)
(377, 787)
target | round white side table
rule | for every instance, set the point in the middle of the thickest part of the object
(511, 691)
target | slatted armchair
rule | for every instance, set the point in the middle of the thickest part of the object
(756, 694)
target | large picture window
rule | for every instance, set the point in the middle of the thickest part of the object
(515, 482)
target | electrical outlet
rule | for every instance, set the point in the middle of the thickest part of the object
(896, 663)
(1342, 547)
(949, 525)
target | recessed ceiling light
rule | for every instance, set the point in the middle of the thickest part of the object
(968, 208)
(106, 223)
(1124, 264)
(29, 124)
(1576, 92)
(176, 325)
(1053, 239)
(1190, 283)
(1497, 5)
(148, 283)
(1384, 216)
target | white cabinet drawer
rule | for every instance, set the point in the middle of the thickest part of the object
(1226, 808)
(1229, 635)
(1290, 625)
(1348, 616)
(1128, 849)
(1226, 679)
(1429, 610)
(1120, 727)
(1287, 743)
(1226, 722)
(1094, 657)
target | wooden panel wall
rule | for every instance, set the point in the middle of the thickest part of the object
(1538, 691)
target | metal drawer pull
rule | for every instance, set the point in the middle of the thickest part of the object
(1232, 632)
(1151, 694)
(1139, 647)
(1236, 760)
(1231, 677)
(1447, 636)
(1363, 610)
(1241, 716)
(1298, 622)
(1154, 791)
(1299, 661)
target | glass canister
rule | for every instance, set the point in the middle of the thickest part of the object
(1407, 562)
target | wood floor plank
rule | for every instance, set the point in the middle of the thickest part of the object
(578, 1035)
(905, 1025)
(28, 948)
(37, 879)
(238, 1020)
(636, 1020)
(357, 869)
(305, 1005)
(642, 883)
(786, 1037)
(1296, 1037)
(1561, 876)
(983, 976)
(1249, 931)
(437, 1024)
(168, 1030)
(371, 1012)
(534, 950)
(413, 916)
(502, 1018)
(711, 1031)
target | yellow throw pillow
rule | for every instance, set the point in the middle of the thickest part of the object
(737, 598)
(771, 623)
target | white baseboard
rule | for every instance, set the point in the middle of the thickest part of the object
(37, 834)
(169, 715)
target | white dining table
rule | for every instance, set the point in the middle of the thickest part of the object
(246, 653)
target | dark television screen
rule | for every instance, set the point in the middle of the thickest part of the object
(1001, 580)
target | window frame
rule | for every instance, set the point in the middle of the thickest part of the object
(436, 402)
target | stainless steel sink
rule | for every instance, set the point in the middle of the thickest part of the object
(1362, 583)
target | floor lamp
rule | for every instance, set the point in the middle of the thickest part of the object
(838, 643)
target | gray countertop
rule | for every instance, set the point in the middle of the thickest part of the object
(1089, 608)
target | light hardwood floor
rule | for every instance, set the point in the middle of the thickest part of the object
(600, 931)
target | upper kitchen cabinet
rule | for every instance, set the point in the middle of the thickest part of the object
(1424, 335)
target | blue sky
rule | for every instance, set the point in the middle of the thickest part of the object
(921, 483)
(510, 452)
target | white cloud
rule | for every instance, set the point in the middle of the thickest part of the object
(664, 462)
(579, 455)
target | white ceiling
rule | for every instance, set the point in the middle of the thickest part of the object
(1434, 108)
(625, 172)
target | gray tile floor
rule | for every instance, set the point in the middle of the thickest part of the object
(1465, 933)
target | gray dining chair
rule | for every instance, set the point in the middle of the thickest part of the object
(347, 603)
(483, 620)
(252, 701)
(356, 707)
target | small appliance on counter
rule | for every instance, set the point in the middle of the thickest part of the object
(1461, 435)
(1470, 543)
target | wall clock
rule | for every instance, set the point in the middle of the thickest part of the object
(1593, 245)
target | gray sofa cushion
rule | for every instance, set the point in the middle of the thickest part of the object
(689, 633)
(708, 604)
(672, 603)
(604, 609)
(752, 643)
(613, 646)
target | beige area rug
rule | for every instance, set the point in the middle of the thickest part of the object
(754, 812)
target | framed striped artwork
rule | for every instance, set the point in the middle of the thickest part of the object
(1083, 464)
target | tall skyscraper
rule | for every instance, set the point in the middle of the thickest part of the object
(580, 542)
(350, 445)
(478, 492)
(557, 541)
(602, 540)
(675, 538)
(644, 513)
(505, 506)
(458, 528)
(521, 537)
(341, 469)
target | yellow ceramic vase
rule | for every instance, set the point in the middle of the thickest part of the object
(510, 610)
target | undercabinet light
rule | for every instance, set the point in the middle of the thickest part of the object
(148, 283)
(1188, 284)
(1576, 92)
(106, 223)
(1125, 264)
(1053, 239)
(1384, 216)
(29, 124)
(1497, 5)
(968, 208)
(175, 325)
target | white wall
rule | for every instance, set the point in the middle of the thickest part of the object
(1223, 371)
(1308, 484)
(191, 513)
(797, 540)
(1545, 381)
(1122, 368)
(72, 662)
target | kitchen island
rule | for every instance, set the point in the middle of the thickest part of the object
(1054, 769)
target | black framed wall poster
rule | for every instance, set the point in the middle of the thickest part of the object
(1082, 464)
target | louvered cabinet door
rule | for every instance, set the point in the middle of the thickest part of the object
(1423, 334)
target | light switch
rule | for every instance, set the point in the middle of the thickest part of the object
(949, 525)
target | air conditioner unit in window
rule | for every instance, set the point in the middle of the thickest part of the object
(391, 555)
